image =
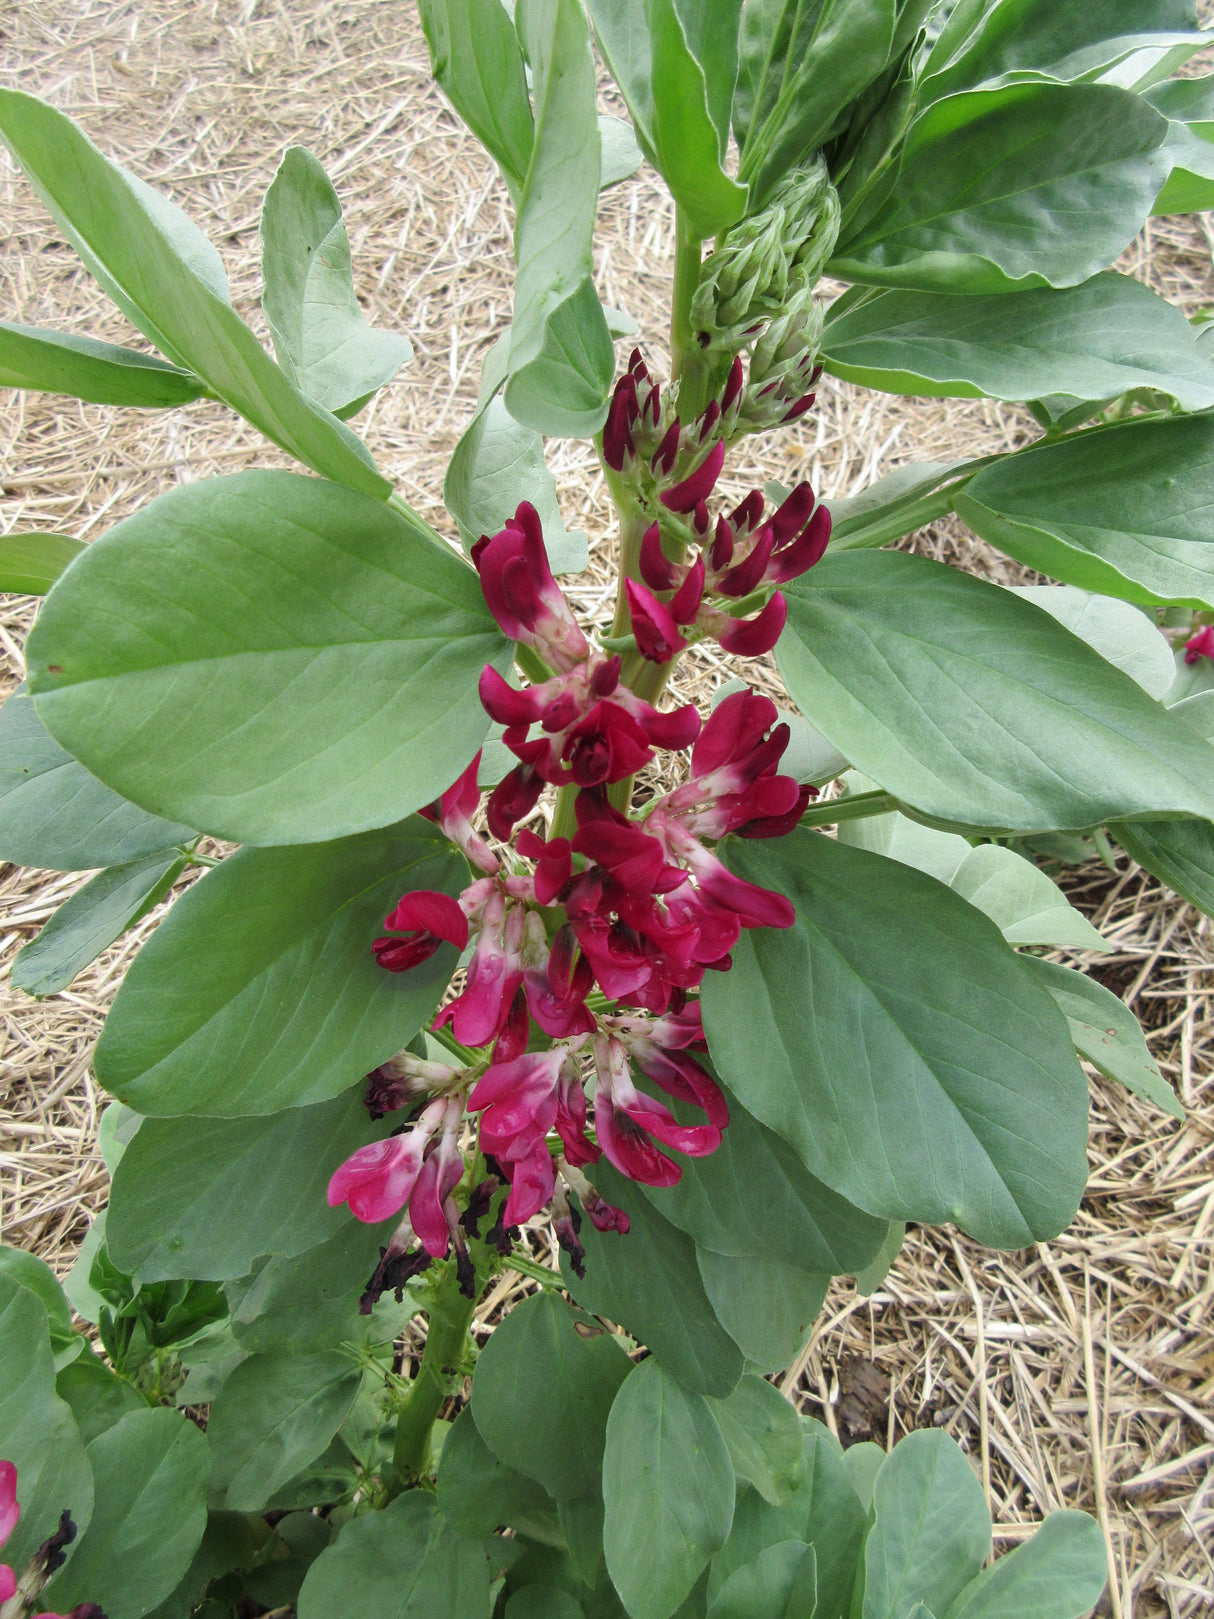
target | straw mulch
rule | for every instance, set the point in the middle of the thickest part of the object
(1080, 1373)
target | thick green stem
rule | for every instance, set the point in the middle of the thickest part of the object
(633, 523)
(686, 361)
(446, 1348)
(849, 809)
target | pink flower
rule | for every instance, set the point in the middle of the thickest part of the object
(477, 1014)
(432, 1210)
(1200, 645)
(378, 1180)
(427, 920)
(522, 595)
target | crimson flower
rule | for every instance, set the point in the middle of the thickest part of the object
(426, 919)
(1200, 645)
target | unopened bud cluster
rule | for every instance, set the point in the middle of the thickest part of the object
(755, 295)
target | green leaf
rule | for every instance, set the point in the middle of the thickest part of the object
(204, 1198)
(763, 1433)
(1057, 1574)
(102, 373)
(150, 1471)
(800, 65)
(754, 1196)
(766, 1306)
(475, 56)
(1124, 510)
(21, 1269)
(930, 681)
(97, 1398)
(668, 1488)
(621, 158)
(1107, 1033)
(1093, 341)
(165, 276)
(497, 464)
(1179, 853)
(765, 1587)
(478, 1493)
(1188, 103)
(561, 354)
(274, 1416)
(30, 563)
(53, 813)
(898, 1044)
(541, 1392)
(320, 337)
(259, 990)
(91, 920)
(1197, 712)
(1024, 904)
(405, 1562)
(648, 1280)
(1121, 633)
(897, 504)
(932, 1530)
(1034, 37)
(1069, 173)
(307, 1301)
(824, 1509)
(280, 659)
(676, 61)
(870, 1278)
(543, 1602)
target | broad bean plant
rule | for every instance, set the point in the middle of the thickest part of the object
(475, 965)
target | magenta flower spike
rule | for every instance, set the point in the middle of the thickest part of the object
(1200, 645)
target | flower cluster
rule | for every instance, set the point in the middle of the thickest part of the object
(585, 950)
(1200, 645)
(740, 557)
(49, 1557)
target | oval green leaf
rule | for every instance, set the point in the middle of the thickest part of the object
(405, 1562)
(259, 990)
(543, 1387)
(39, 1432)
(648, 1280)
(1059, 1573)
(91, 920)
(932, 1530)
(102, 373)
(668, 1490)
(150, 1471)
(276, 1414)
(1068, 174)
(894, 1039)
(288, 658)
(204, 1198)
(320, 337)
(1093, 341)
(1123, 510)
(973, 707)
(53, 813)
